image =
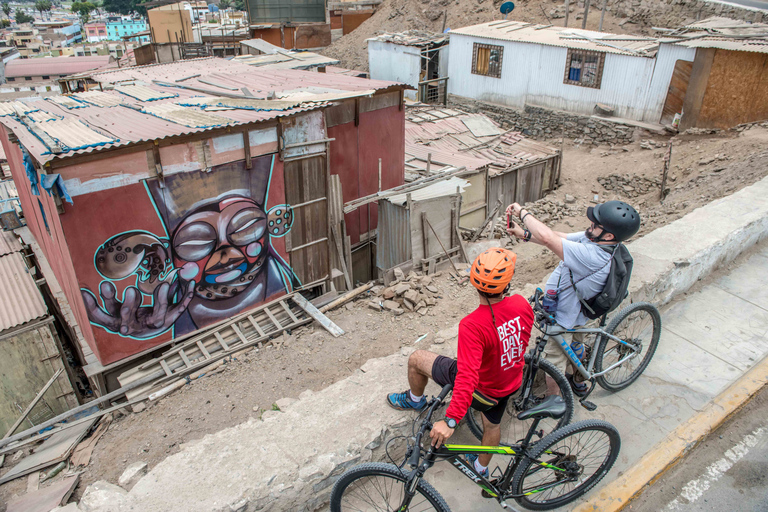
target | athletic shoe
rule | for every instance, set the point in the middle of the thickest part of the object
(579, 388)
(471, 458)
(402, 401)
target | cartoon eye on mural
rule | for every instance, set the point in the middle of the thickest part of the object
(215, 261)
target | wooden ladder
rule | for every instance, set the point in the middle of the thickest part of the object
(256, 327)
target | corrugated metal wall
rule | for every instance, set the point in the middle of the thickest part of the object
(396, 63)
(394, 240)
(533, 74)
(666, 58)
(274, 11)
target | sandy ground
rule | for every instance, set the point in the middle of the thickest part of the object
(312, 359)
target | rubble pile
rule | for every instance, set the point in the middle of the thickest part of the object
(629, 185)
(408, 293)
(552, 210)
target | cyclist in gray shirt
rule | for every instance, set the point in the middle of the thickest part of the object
(583, 269)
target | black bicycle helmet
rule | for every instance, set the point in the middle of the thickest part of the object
(616, 218)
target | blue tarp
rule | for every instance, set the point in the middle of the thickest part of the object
(31, 172)
(55, 183)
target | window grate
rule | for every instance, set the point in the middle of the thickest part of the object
(487, 60)
(584, 68)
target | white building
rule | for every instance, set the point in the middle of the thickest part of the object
(411, 57)
(514, 63)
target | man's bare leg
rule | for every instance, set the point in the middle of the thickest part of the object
(491, 437)
(420, 370)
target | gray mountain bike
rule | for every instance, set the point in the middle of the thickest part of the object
(614, 358)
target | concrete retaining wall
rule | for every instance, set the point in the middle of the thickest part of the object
(290, 460)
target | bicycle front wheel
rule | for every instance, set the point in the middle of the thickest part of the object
(513, 430)
(639, 325)
(378, 487)
(577, 457)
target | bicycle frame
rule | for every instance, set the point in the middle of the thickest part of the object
(555, 332)
(453, 453)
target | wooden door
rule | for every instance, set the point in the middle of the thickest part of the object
(678, 85)
(307, 242)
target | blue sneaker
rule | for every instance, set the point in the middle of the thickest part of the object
(471, 458)
(402, 401)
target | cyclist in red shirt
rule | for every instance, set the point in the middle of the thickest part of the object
(489, 364)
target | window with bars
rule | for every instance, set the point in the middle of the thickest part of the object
(486, 60)
(584, 68)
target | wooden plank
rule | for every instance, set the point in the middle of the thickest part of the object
(315, 313)
(424, 235)
(288, 310)
(256, 326)
(185, 358)
(273, 319)
(678, 86)
(220, 340)
(247, 146)
(239, 333)
(461, 246)
(340, 252)
(203, 350)
(47, 498)
(347, 297)
(32, 404)
(165, 367)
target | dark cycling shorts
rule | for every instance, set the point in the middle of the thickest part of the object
(444, 371)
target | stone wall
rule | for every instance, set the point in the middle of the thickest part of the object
(541, 123)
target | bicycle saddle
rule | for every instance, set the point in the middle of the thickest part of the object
(552, 407)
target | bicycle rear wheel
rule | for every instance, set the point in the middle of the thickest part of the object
(582, 454)
(513, 430)
(639, 325)
(378, 487)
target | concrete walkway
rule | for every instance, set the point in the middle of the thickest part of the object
(708, 341)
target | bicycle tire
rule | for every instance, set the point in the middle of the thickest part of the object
(369, 469)
(561, 442)
(514, 430)
(605, 381)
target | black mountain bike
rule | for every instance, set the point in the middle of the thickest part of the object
(540, 475)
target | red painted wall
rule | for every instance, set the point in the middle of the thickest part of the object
(355, 158)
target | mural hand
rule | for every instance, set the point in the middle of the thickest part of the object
(97, 315)
(164, 316)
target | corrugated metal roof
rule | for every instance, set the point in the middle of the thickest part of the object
(439, 189)
(8, 108)
(447, 141)
(143, 93)
(99, 99)
(72, 134)
(186, 116)
(56, 66)
(533, 33)
(21, 299)
(9, 243)
(128, 124)
(286, 60)
(721, 33)
(412, 38)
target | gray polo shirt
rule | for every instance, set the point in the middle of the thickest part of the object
(590, 266)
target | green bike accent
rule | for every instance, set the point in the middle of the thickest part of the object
(504, 450)
(488, 491)
(550, 466)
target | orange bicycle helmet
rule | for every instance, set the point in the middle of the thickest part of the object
(493, 270)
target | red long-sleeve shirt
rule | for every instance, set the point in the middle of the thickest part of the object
(490, 359)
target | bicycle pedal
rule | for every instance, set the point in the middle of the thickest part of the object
(588, 405)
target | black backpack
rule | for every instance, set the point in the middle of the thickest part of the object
(615, 289)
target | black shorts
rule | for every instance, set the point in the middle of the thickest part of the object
(444, 371)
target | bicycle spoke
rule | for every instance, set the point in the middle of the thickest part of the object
(636, 328)
(589, 449)
(380, 494)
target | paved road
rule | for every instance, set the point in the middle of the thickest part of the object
(728, 471)
(708, 341)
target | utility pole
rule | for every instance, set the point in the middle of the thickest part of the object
(602, 15)
(586, 13)
(567, 12)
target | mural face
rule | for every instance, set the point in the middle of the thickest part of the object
(215, 259)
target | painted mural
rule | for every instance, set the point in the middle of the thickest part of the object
(216, 257)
